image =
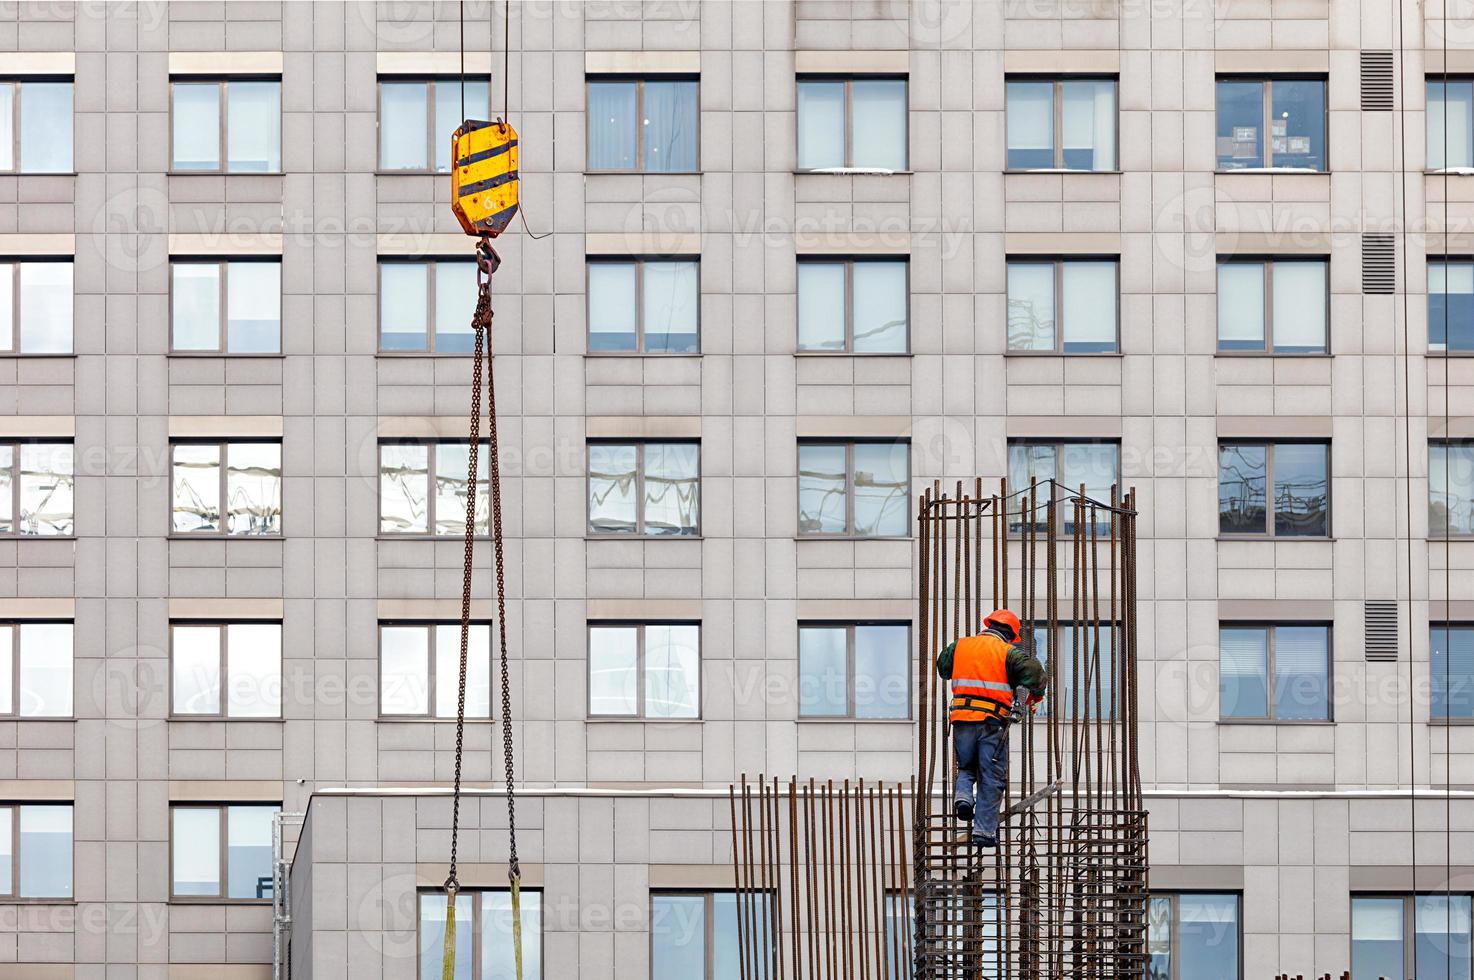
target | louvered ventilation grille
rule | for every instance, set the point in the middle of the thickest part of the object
(1381, 629)
(1378, 263)
(1376, 81)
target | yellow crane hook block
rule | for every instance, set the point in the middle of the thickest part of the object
(484, 183)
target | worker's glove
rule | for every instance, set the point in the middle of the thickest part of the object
(1033, 702)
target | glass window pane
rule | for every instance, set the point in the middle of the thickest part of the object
(1452, 671)
(46, 485)
(448, 670)
(1243, 672)
(46, 851)
(195, 845)
(498, 955)
(671, 307)
(403, 122)
(254, 308)
(669, 127)
(404, 305)
(7, 128)
(612, 306)
(1030, 306)
(613, 670)
(1450, 488)
(1208, 934)
(1242, 473)
(455, 304)
(196, 302)
(45, 670)
(196, 126)
(672, 671)
(1030, 125)
(404, 670)
(821, 306)
(823, 678)
(433, 906)
(1450, 124)
(1300, 299)
(46, 127)
(253, 130)
(404, 484)
(1298, 123)
(612, 488)
(7, 670)
(196, 488)
(879, 135)
(254, 681)
(1095, 464)
(1089, 307)
(46, 307)
(1028, 464)
(7, 299)
(253, 487)
(677, 937)
(1301, 673)
(612, 129)
(1377, 937)
(248, 851)
(882, 672)
(1159, 938)
(821, 489)
(882, 489)
(1301, 489)
(1089, 124)
(196, 670)
(7, 471)
(820, 124)
(1240, 125)
(448, 114)
(1441, 936)
(1450, 305)
(672, 488)
(1241, 306)
(880, 305)
(452, 467)
(726, 955)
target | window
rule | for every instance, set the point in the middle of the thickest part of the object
(225, 670)
(1452, 671)
(645, 670)
(422, 488)
(427, 307)
(644, 306)
(643, 125)
(231, 307)
(1061, 124)
(484, 948)
(35, 670)
(419, 670)
(1063, 306)
(1084, 685)
(1280, 489)
(852, 123)
(694, 935)
(856, 489)
(1274, 672)
(1097, 465)
(245, 476)
(644, 488)
(1291, 110)
(36, 484)
(36, 850)
(854, 670)
(36, 126)
(1450, 304)
(1193, 936)
(1450, 489)
(1450, 123)
(1273, 305)
(418, 116)
(1438, 925)
(856, 306)
(229, 125)
(221, 851)
(36, 306)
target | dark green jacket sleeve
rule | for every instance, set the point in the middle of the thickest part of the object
(944, 661)
(1025, 670)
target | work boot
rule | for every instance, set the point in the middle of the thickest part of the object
(980, 841)
(963, 811)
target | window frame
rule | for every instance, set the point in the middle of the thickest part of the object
(483, 472)
(640, 533)
(430, 626)
(222, 95)
(1059, 262)
(430, 80)
(1409, 902)
(223, 672)
(849, 262)
(1266, 82)
(1267, 264)
(849, 533)
(1450, 627)
(1057, 81)
(641, 714)
(1268, 533)
(223, 809)
(432, 265)
(14, 715)
(639, 262)
(222, 331)
(1174, 931)
(15, 82)
(1444, 80)
(709, 896)
(14, 897)
(224, 445)
(1447, 444)
(476, 926)
(14, 446)
(1447, 261)
(639, 81)
(1014, 521)
(850, 626)
(849, 120)
(1271, 628)
(16, 262)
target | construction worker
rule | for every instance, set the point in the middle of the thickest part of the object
(984, 671)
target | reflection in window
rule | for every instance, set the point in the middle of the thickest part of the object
(483, 922)
(36, 488)
(422, 488)
(42, 113)
(1295, 319)
(645, 488)
(246, 476)
(855, 123)
(1450, 305)
(644, 306)
(1193, 936)
(1274, 673)
(1087, 136)
(1450, 488)
(859, 670)
(1083, 684)
(36, 670)
(1440, 930)
(251, 295)
(1292, 110)
(44, 869)
(1450, 123)
(647, 125)
(419, 670)
(1280, 489)
(418, 116)
(230, 670)
(859, 306)
(249, 141)
(859, 489)
(427, 307)
(238, 870)
(1096, 465)
(645, 670)
(1066, 306)
(695, 935)
(1452, 671)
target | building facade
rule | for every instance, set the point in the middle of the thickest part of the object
(784, 264)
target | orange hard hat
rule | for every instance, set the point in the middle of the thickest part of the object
(1005, 618)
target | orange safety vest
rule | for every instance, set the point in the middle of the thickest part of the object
(980, 688)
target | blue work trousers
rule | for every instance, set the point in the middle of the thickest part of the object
(982, 772)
